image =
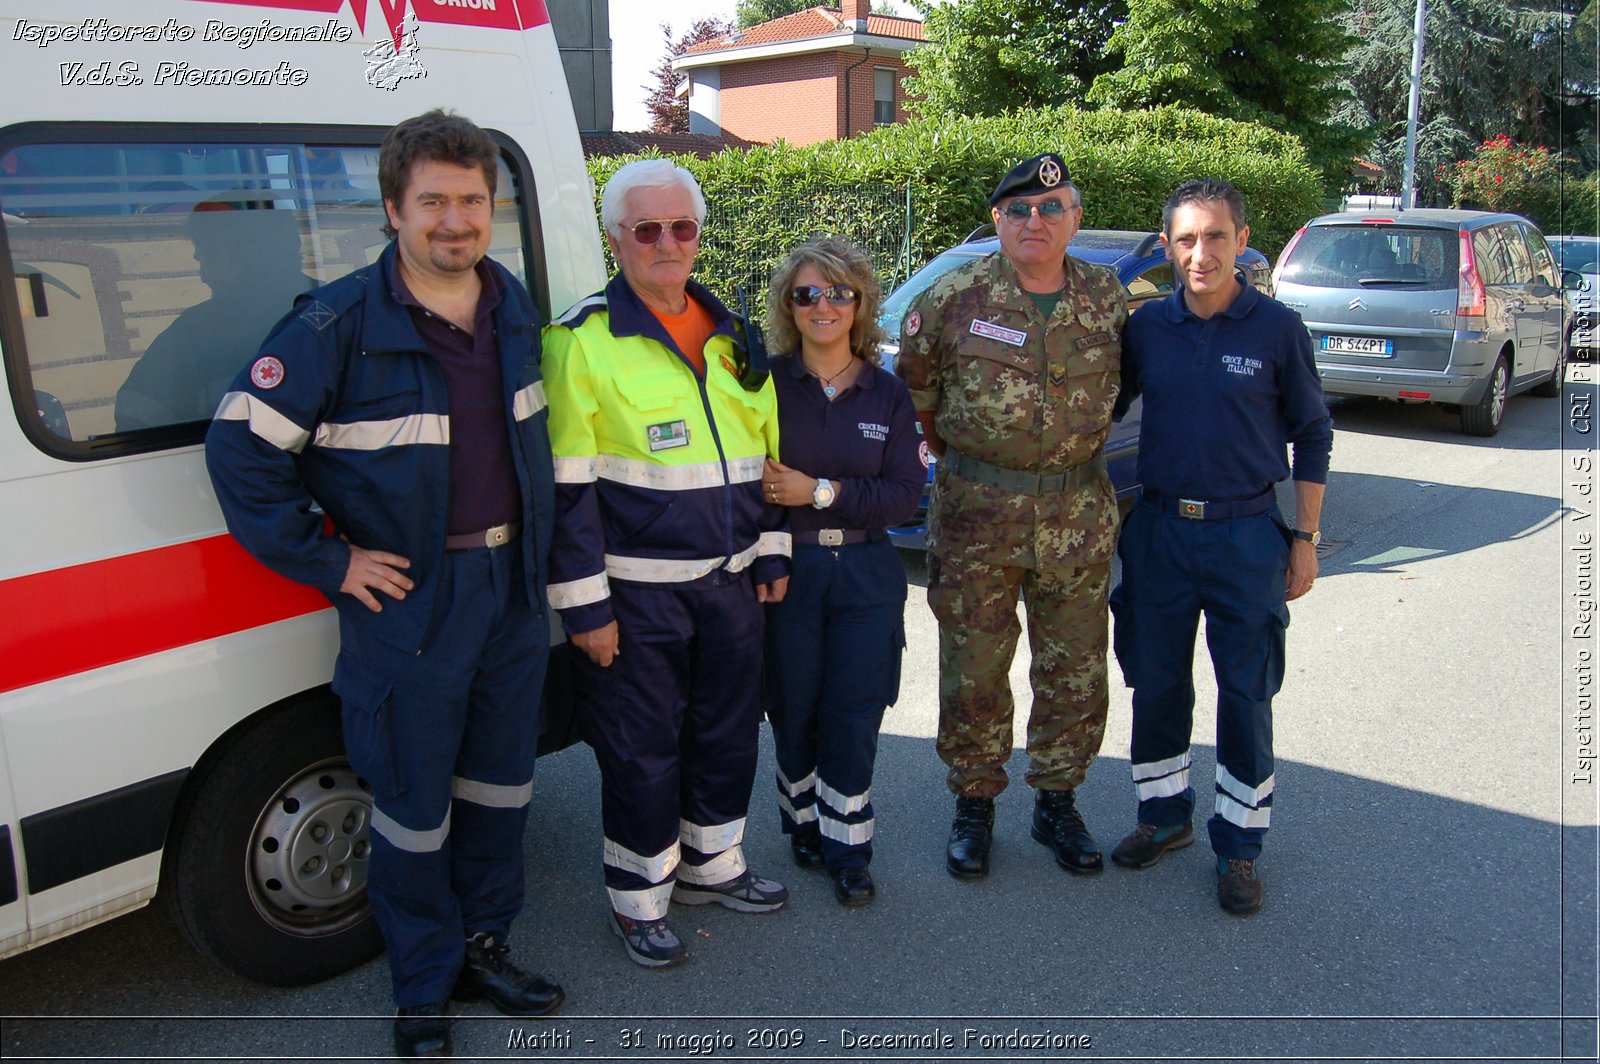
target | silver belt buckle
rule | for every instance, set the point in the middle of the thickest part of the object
(497, 536)
(1194, 509)
(830, 537)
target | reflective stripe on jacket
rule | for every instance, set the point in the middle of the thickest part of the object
(345, 411)
(658, 468)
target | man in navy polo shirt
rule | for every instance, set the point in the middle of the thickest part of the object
(1229, 384)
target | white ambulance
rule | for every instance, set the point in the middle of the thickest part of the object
(172, 173)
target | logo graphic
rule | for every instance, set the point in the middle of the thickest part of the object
(913, 323)
(1049, 174)
(1358, 303)
(394, 59)
(267, 373)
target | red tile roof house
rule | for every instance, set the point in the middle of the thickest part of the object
(825, 73)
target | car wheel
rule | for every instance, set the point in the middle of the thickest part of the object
(267, 873)
(1483, 417)
(1550, 388)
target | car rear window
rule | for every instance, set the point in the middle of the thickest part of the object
(1368, 256)
(1581, 254)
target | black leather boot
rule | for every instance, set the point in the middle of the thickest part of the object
(967, 855)
(1058, 824)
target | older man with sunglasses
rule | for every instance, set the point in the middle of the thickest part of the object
(663, 552)
(1013, 362)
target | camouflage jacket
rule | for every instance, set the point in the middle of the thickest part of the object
(1009, 388)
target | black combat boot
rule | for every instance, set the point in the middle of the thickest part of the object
(967, 855)
(1058, 824)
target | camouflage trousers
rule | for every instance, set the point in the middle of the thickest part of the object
(976, 605)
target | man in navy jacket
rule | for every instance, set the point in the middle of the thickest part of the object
(1229, 385)
(404, 402)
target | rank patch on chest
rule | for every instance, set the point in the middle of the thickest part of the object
(267, 372)
(1014, 337)
(667, 435)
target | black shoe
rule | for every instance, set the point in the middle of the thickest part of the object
(807, 848)
(967, 855)
(1058, 824)
(422, 1031)
(490, 975)
(852, 886)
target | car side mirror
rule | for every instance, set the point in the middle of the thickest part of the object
(1572, 280)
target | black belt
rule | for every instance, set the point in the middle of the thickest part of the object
(1022, 482)
(498, 536)
(838, 537)
(1213, 510)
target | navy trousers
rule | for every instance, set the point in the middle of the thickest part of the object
(833, 666)
(1173, 570)
(674, 722)
(447, 739)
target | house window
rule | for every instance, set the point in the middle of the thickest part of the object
(883, 97)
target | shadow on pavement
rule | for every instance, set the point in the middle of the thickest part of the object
(1397, 924)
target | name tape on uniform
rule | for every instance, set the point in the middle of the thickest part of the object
(1014, 337)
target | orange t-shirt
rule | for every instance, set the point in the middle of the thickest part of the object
(690, 331)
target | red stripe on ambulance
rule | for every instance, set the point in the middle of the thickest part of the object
(87, 616)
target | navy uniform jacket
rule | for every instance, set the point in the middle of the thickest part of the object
(1224, 397)
(344, 410)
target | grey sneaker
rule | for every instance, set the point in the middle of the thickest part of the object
(651, 943)
(745, 893)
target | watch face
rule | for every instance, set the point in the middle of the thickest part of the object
(823, 496)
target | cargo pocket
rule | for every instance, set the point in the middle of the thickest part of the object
(368, 719)
(1272, 665)
(1122, 635)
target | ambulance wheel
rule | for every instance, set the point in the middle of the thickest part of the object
(267, 872)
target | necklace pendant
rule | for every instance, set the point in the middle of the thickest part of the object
(829, 390)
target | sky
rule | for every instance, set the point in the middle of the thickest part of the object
(637, 47)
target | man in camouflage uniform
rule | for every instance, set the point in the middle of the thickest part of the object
(1014, 362)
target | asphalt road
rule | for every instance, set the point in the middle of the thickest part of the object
(1430, 874)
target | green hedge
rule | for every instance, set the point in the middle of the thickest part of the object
(1125, 163)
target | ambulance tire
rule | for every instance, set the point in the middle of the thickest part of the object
(266, 872)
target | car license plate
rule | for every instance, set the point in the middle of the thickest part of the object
(1358, 345)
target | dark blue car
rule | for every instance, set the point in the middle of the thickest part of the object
(1142, 267)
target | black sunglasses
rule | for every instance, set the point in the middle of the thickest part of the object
(683, 230)
(1019, 212)
(839, 295)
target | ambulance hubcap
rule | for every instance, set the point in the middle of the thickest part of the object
(309, 852)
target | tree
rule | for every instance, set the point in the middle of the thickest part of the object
(667, 114)
(1275, 63)
(985, 57)
(752, 12)
(1526, 70)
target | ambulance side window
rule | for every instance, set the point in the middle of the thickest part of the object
(147, 273)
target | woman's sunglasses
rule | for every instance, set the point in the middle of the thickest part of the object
(683, 230)
(839, 295)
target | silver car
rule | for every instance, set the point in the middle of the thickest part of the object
(1445, 306)
(1579, 259)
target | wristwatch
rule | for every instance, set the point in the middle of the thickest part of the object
(1313, 537)
(823, 496)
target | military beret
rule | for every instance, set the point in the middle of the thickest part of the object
(1042, 173)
